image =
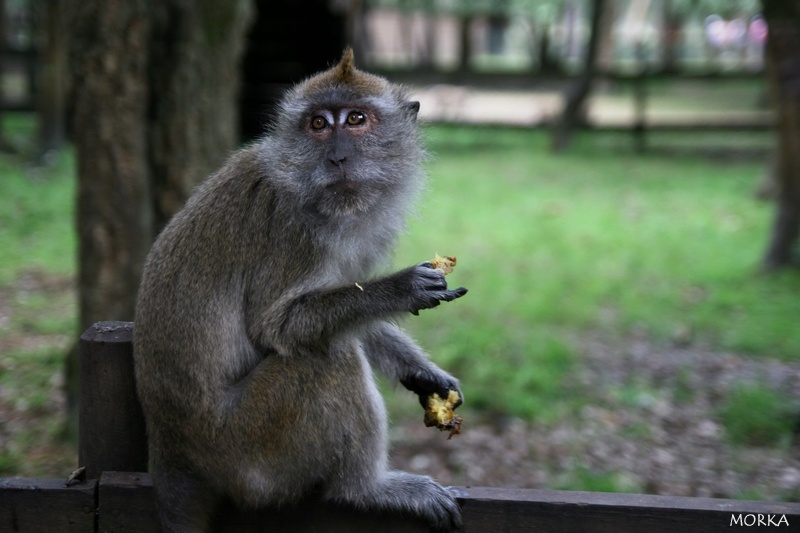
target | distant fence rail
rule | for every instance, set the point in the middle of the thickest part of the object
(118, 496)
(461, 94)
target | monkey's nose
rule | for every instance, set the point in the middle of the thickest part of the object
(337, 161)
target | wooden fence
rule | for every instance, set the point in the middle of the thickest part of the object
(117, 495)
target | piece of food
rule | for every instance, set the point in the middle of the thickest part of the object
(440, 414)
(445, 264)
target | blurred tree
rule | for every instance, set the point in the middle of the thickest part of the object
(155, 85)
(542, 16)
(5, 146)
(576, 94)
(783, 71)
(53, 77)
(672, 21)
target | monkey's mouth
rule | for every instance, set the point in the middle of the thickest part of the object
(343, 185)
(344, 196)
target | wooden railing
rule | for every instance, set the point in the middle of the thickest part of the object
(118, 497)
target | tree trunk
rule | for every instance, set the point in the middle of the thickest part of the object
(194, 86)
(465, 42)
(547, 65)
(430, 26)
(604, 56)
(53, 69)
(155, 85)
(115, 221)
(356, 29)
(671, 28)
(155, 112)
(577, 93)
(5, 146)
(783, 71)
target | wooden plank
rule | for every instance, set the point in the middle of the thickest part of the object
(126, 504)
(315, 517)
(112, 431)
(542, 511)
(46, 506)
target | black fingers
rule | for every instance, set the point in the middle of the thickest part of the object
(456, 293)
(425, 381)
(430, 288)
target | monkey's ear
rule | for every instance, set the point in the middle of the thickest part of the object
(411, 107)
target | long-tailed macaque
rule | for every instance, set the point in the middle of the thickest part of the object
(260, 317)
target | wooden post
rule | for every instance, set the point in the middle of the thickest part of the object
(127, 502)
(47, 506)
(112, 432)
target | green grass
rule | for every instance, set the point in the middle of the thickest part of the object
(758, 415)
(583, 478)
(36, 218)
(37, 304)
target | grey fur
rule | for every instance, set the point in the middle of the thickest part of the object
(259, 320)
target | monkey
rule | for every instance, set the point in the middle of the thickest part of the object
(266, 303)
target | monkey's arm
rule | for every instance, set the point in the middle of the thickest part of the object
(311, 318)
(397, 356)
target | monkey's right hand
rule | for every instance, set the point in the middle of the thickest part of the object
(425, 287)
(424, 381)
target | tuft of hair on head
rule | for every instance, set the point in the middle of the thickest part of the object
(346, 69)
(344, 74)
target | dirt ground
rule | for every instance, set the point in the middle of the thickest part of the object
(652, 425)
(659, 440)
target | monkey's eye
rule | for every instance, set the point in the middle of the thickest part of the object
(318, 122)
(354, 118)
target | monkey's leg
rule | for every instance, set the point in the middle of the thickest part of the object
(363, 480)
(404, 493)
(184, 504)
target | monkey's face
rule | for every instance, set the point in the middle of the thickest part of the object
(348, 143)
(337, 133)
(357, 152)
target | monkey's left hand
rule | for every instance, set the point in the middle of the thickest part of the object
(424, 381)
